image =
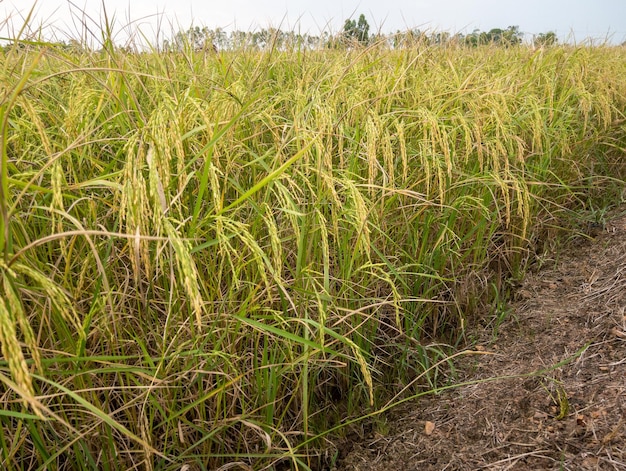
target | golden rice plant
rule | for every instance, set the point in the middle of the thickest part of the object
(218, 260)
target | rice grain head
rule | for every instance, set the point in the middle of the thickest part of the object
(11, 349)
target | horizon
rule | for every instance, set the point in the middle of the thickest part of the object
(144, 23)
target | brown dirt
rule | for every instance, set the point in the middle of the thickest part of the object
(564, 337)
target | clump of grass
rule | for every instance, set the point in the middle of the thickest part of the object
(211, 260)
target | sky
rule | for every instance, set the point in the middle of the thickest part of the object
(571, 19)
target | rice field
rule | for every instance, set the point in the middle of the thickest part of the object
(228, 259)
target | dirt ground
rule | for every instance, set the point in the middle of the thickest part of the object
(563, 405)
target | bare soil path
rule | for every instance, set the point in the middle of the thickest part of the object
(569, 320)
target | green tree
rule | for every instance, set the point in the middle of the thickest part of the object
(474, 38)
(198, 39)
(545, 39)
(354, 31)
(501, 37)
(512, 36)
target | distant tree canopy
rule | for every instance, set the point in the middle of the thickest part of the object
(195, 38)
(502, 37)
(354, 31)
(545, 39)
(205, 39)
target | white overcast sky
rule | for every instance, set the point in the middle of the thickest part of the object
(598, 19)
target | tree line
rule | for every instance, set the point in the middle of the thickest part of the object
(355, 33)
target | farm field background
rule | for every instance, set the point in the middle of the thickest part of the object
(211, 259)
